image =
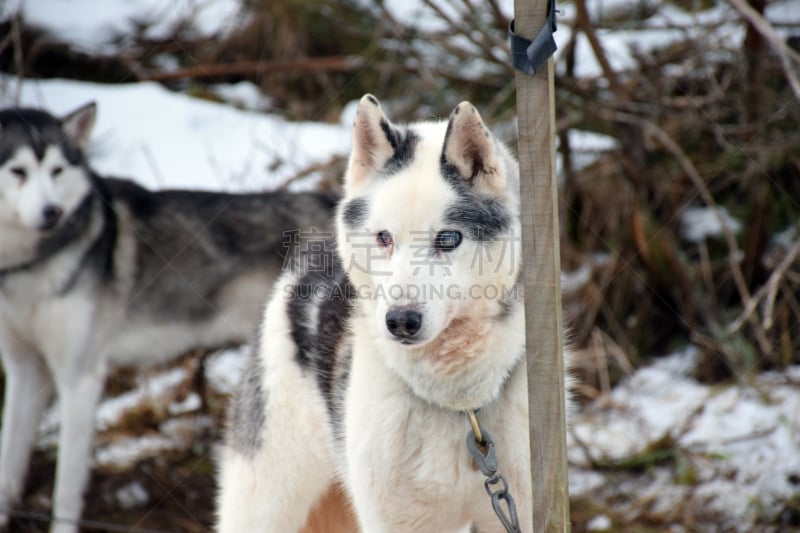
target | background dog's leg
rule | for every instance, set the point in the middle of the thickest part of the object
(28, 390)
(78, 400)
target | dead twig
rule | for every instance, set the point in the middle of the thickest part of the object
(769, 289)
(785, 53)
(481, 44)
(309, 170)
(583, 22)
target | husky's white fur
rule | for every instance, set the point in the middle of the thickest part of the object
(368, 392)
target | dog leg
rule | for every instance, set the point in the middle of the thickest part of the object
(274, 491)
(274, 486)
(28, 390)
(277, 462)
(78, 400)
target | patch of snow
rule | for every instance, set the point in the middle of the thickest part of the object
(183, 429)
(348, 115)
(132, 496)
(787, 237)
(178, 433)
(575, 279)
(599, 523)
(586, 147)
(223, 369)
(244, 95)
(701, 223)
(421, 16)
(153, 390)
(191, 403)
(784, 14)
(656, 399)
(741, 440)
(673, 16)
(127, 451)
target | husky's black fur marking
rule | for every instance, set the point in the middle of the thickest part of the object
(247, 414)
(355, 213)
(37, 129)
(341, 379)
(324, 289)
(99, 257)
(404, 143)
(482, 217)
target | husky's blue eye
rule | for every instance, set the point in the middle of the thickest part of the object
(19, 172)
(447, 240)
(384, 239)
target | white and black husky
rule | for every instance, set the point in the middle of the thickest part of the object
(97, 272)
(367, 364)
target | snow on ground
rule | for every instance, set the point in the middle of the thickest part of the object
(224, 368)
(167, 394)
(700, 223)
(733, 450)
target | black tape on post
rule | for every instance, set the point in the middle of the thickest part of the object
(527, 55)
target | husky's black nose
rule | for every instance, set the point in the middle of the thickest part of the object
(403, 322)
(50, 216)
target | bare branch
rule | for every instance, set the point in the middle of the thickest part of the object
(583, 22)
(770, 289)
(786, 54)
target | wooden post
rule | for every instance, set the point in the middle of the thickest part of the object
(542, 266)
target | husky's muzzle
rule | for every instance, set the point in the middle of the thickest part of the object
(404, 323)
(51, 214)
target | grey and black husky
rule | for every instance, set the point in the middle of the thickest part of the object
(97, 273)
(368, 363)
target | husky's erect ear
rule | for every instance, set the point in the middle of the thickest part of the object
(470, 148)
(374, 140)
(78, 125)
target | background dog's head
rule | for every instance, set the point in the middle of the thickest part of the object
(43, 177)
(429, 227)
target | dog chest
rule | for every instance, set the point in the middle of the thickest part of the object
(407, 456)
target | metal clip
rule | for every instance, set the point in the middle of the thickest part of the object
(485, 461)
